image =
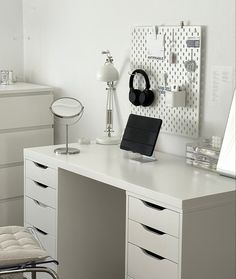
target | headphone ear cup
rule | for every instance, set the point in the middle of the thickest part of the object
(134, 95)
(146, 98)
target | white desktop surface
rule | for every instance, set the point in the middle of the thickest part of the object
(168, 180)
(23, 87)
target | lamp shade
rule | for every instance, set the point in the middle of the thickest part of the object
(108, 73)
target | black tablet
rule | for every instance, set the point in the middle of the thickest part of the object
(141, 134)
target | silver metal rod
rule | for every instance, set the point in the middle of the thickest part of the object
(33, 273)
(34, 269)
(67, 139)
(109, 109)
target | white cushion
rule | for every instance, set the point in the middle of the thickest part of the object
(18, 245)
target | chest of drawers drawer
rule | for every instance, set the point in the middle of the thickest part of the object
(157, 242)
(159, 218)
(41, 173)
(40, 216)
(143, 265)
(26, 111)
(40, 192)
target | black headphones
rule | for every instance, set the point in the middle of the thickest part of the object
(137, 97)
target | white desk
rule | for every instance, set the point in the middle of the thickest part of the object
(87, 216)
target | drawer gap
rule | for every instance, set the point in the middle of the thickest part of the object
(158, 207)
(41, 166)
(40, 231)
(153, 230)
(39, 203)
(152, 254)
(41, 184)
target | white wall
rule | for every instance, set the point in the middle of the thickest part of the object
(11, 36)
(63, 41)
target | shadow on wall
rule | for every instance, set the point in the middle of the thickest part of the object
(123, 72)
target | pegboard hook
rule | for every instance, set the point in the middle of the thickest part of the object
(156, 30)
(182, 24)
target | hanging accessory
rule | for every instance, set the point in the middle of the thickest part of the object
(140, 97)
(172, 55)
(190, 66)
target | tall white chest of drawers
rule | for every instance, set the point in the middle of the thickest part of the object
(25, 121)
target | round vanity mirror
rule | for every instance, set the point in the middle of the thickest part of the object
(68, 111)
(67, 107)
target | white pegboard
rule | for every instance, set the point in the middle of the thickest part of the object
(179, 120)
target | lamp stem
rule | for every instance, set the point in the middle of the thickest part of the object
(67, 140)
(109, 115)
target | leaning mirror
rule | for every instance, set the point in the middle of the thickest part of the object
(68, 111)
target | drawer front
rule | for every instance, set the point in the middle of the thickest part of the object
(40, 216)
(40, 192)
(159, 218)
(47, 241)
(12, 144)
(12, 181)
(25, 111)
(41, 173)
(143, 265)
(162, 244)
(11, 212)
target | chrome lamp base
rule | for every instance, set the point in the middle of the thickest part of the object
(65, 151)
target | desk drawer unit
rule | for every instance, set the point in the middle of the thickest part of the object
(41, 173)
(157, 217)
(40, 215)
(41, 204)
(154, 241)
(145, 265)
(40, 192)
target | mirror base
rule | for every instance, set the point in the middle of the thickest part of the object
(66, 151)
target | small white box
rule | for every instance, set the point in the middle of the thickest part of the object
(175, 99)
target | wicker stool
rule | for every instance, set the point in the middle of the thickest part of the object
(21, 252)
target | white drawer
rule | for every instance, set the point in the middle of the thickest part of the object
(12, 144)
(159, 218)
(26, 111)
(40, 192)
(48, 242)
(40, 216)
(154, 241)
(142, 265)
(41, 173)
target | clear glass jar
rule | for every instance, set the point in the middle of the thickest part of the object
(204, 153)
(4, 77)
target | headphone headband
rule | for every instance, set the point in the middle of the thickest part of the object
(143, 73)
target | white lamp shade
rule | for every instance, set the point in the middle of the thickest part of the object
(108, 73)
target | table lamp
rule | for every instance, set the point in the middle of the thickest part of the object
(108, 73)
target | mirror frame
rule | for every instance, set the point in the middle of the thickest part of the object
(67, 117)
